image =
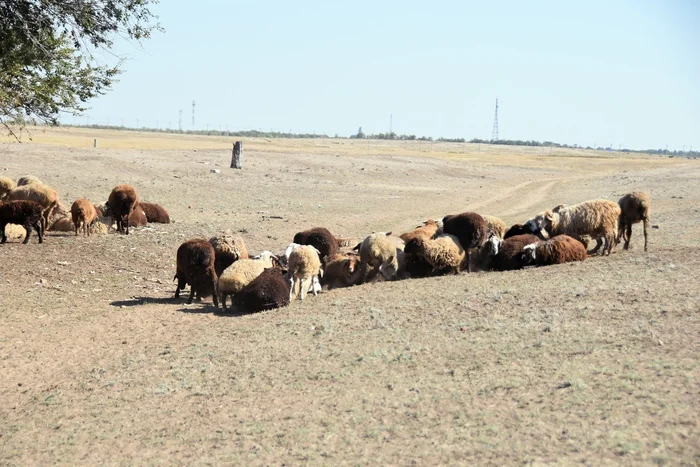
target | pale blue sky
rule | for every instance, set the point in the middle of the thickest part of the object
(620, 72)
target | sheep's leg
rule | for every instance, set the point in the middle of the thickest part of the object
(189, 300)
(304, 288)
(292, 288)
(469, 261)
(628, 235)
(4, 237)
(28, 228)
(646, 235)
(77, 227)
(127, 225)
(223, 302)
(598, 244)
(37, 226)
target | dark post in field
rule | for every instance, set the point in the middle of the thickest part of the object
(237, 157)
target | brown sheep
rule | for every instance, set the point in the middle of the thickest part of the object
(138, 218)
(320, 238)
(634, 208)
(342, 270)
(84, 215)
(444, 254)
(155, 213)
(556, 250)
(470, 229)
(426, 231)
(505, 254)
(28, 214)
(42, 194)
(122, 202)
(195, 266)
(597, 219)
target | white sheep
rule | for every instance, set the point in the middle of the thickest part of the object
(304, 267)
(241, 273)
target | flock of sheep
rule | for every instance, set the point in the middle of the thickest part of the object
(221, 266)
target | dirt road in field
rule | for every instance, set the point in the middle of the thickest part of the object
(593, 362)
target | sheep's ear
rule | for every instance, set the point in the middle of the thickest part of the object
(388, 233)
(549, 216)
(315, 249)
(357, 247)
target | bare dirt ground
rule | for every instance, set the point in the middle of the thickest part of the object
(594, 362)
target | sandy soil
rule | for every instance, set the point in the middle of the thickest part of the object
(594, 362)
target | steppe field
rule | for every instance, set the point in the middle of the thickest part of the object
(594, 363)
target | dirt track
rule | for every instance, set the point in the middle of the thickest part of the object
(592, 362)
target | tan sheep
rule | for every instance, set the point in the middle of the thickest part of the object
(379, 253)
(28, 180)
(304, 269)
(444, 254)
(495, 225)
(597, 219)
(426, 231)
(229, 248)
(634, 208)
(6, 186)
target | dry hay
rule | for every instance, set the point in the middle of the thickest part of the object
(65, 224)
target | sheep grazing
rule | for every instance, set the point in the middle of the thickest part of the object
(28, 214)
(28, 180)
(6, 186)
(122, 201)
(84, 215)
(426, 231)
(495, 225)
(304, 267)
(379, 253)
(321, 239)
(229, 248)
(470, 229)
(634, 208)
(268, 291)
(342, 270)
(597, 219)
(42, 194)
(556, 250)
(195, 266)
(505, 254)
(155, 213)
(444, 254)
(242, 273)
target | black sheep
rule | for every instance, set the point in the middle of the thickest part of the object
(268, 291)
(470, 229)
(321, 239)
(28, 214)
(195, 266)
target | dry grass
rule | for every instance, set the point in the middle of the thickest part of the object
(595, 362)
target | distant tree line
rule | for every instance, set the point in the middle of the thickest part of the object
(390, 136)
